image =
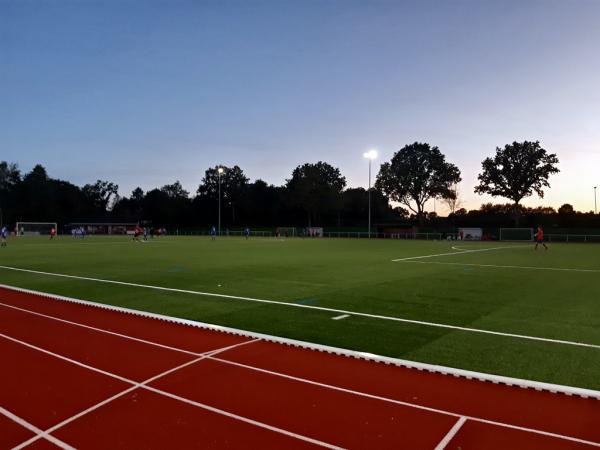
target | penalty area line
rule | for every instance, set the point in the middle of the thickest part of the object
(459, 252)
(312, 307)
(498, 266)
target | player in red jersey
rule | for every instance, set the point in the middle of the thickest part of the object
(52, 233)
(539, 238)
(136, 233)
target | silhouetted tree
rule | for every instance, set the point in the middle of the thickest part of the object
(175, 190)
(101, 193)
(316, 189)
(417, 173)
(566, 209)
(516, 172)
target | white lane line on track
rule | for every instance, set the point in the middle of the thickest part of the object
(316, 308)
(40, 434)
(89, 327)
(128, 390)
(446, 440)
(459, 252)
(211, 355)
(498, 266)
(143, 385)
(343, 316)
(403, 403)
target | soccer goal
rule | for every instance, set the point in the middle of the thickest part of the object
(314, 232)
(35, 228)
(516, 234)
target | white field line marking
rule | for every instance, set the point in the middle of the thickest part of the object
(403, 403)
(128, 390)
(343, 316)
(497, 266)
(457, 426)
(361, 355)
(245, 419)
(317, 308)
(143, 385)
(458, 252)
(443, 370)
(210, 355)
(125, 336)
(40, 434)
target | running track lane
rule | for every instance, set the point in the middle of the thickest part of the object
(254, 393)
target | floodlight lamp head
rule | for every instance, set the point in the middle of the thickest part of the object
(220, 170)
(371, 154)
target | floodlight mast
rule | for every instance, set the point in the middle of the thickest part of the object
(220, 170)
(595, 204)
(370, 155)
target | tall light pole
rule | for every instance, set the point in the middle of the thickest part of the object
(220, 170)
(370, 155)
(595, 205)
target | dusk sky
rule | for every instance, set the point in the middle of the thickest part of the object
(147, 92)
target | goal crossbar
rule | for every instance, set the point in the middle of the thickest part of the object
(34, 228)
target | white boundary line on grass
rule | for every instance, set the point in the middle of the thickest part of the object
(434, 368)
(211, 355)
(316, 308)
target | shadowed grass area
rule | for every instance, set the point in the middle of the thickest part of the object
(354, 275)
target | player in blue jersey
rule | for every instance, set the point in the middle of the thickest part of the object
(213, 233)
(247, 233)
(3, 233)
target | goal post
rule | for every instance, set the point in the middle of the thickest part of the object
(35, 228)
(516, 234)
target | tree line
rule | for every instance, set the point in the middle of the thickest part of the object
(315, 194)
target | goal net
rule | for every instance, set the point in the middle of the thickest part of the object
(35, 228)
(516, 234)
(314, 231)
(470, 234)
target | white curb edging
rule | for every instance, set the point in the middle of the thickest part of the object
(471, 375)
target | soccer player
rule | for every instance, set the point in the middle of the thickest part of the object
(539, 238)
(3, 233)
(247, 233)
(52, 233)
(213, 233)
(136, 233)
(145, 233)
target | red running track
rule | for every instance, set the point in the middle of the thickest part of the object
(80, 376)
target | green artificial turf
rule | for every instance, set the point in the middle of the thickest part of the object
(354, 275)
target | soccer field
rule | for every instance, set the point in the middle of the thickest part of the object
(491, 307)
